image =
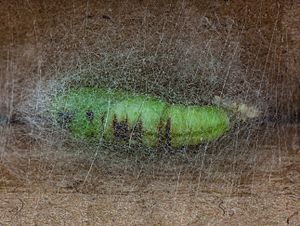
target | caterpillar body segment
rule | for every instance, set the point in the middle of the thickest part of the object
(138, 114)
(94, 113)
(191, 125)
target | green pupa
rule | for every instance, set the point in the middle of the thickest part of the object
(114, 115)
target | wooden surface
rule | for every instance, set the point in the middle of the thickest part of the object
(37, 187)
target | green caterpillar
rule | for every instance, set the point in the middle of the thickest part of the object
(95, 113)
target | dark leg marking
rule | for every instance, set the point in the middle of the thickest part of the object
(120, 130)
(164, 136)
(136, 132)
(64, 118)
(168, 133)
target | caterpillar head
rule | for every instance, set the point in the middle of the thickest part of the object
(241, 110)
